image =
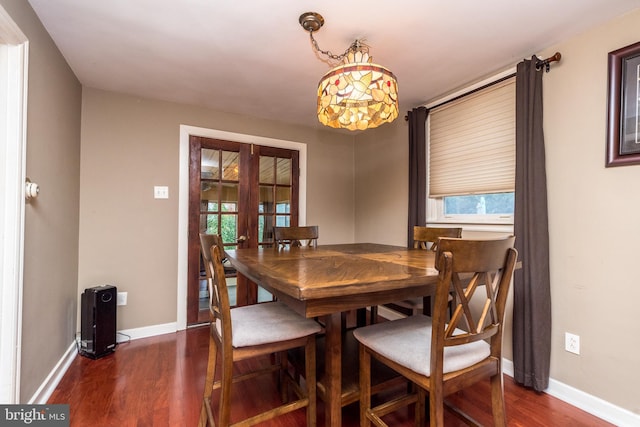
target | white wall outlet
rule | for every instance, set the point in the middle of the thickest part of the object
(122, 298)
(572, 343)
(161, 192)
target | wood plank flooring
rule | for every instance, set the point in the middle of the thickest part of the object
(158, 381)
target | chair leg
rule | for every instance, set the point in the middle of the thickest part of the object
(310, 372)
(208, 382)
(420, 406)
(282, 381)
(374, 315)
(436, 407)
(365, 386)
(497, 401)
(225, 390)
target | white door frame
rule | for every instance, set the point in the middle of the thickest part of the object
(183, 196)
(14, 54)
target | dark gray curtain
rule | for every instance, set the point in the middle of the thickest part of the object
(532, 295)
(417, 170)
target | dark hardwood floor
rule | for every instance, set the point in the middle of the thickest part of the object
(158, 381)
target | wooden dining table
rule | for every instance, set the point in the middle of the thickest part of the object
(326, 281)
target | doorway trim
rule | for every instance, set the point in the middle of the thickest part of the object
(14, 47)
(183, 196)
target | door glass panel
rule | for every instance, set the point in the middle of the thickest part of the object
(283, 221)
(210, 205)
(262, 237)
(229, 197)
(209, 224)
(230, 165)
(208, 196)
(283, 202)
(229, 226)
(266, 199)
(267, 173)
(283, 172)
(209, 164)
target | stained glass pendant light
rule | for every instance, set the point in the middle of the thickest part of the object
(357, 94)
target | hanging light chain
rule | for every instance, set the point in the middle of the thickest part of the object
(357, 45)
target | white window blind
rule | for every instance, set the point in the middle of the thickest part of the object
(472, 143)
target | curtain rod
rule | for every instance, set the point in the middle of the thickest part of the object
(545, 62)
(539, 64)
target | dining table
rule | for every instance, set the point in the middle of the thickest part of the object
(328, 280)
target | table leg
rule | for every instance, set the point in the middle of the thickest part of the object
(361, 317)
(426, 305)
(333, 370)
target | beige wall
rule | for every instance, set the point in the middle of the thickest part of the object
(593, 224)
(382, 184)
(129, 239)
(51, 221)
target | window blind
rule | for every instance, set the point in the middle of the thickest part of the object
(472, 143)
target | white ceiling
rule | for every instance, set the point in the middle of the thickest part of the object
(254, 58)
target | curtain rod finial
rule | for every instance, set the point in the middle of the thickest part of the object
(545, 62)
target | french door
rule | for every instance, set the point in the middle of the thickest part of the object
(239, 192)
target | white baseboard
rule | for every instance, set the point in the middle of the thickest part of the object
(587, 402)
(41, 396)
(147, 331)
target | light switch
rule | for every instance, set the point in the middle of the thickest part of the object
(161, 192)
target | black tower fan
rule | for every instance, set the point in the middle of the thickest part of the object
(98, 317)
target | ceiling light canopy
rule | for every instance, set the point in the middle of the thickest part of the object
(357, 94)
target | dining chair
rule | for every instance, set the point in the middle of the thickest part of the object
(248, 332)
(214, 239)
(440, 355)
(295, 236)
(427, 238)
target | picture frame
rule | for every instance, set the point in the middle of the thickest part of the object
(623, 116)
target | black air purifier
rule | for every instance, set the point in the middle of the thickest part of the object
(98, 317)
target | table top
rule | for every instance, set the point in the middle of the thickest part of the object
(332, 278)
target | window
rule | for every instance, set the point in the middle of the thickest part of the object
(471, 170)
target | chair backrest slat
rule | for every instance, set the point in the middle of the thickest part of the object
(427, 237)
(295, 236)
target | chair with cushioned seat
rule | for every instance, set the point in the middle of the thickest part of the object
(427, 238)
(439, 355)
(252, 331)
(295, 236)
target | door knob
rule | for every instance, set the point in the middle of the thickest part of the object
(31, 189)
(242, 239)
